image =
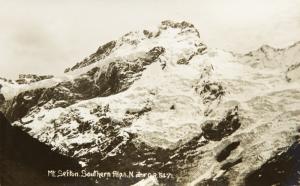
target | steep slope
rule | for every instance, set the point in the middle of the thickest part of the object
(27, 164)
(162, 102)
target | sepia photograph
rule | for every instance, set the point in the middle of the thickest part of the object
(150, 93)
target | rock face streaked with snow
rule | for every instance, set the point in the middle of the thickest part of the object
(162, 101)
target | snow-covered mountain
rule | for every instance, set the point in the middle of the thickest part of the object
(162, 101)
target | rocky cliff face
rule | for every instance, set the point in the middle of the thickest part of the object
(161, 101)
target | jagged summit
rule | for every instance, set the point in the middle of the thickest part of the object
(171, 24)
(166, 35)
(206, 116)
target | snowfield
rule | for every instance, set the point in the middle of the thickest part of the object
(220, 115)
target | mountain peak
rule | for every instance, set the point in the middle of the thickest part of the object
(271, 57)
(204, 116)
(266, 47)
(167, 35)
(172, 24)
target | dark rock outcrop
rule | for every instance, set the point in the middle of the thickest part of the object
(290, 74)
(171, 24)
(211, 91)
(227, 150)
(21, 104)
(282, 169)
(102, 52)
(215, 131)
(32, 78)
(2, 98)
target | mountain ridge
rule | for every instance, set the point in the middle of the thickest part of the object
(163, 101)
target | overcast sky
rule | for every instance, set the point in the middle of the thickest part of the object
(45, 36)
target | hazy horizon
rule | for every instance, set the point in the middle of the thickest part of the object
(45, 37)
